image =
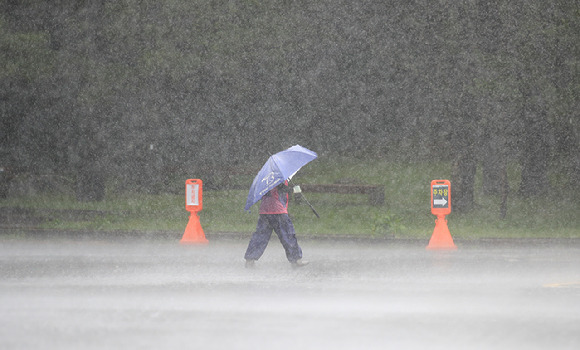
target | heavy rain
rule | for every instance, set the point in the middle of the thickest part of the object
(108, 109)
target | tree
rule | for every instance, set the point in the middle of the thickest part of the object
(134, 91)
(26, 64)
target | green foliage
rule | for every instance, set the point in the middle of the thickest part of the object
(141, 90)
(386, 223)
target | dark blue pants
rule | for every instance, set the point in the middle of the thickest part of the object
(282, 225)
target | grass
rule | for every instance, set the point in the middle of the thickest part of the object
(406, 213)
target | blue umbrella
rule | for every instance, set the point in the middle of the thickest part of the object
(279, 168)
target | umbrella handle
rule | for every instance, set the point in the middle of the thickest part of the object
(311, 207)
(306, 200)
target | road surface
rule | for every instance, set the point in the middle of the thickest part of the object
(64, 293)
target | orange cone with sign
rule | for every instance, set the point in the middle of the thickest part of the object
(193, 203)
(441, 238)
(193, 232)
(441, 206)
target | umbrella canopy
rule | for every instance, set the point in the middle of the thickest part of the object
(278, 168)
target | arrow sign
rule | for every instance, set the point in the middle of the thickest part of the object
(440, 197)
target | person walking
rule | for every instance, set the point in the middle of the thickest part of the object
(274, 217)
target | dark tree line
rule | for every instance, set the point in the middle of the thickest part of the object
(134, 91)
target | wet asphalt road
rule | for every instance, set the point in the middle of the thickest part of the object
(157, 294)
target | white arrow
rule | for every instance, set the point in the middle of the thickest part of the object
(441, 201)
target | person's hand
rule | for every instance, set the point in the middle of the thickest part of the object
(284, 188)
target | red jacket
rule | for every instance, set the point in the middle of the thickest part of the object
(275, 202)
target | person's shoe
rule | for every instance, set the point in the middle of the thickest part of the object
(299, 263)
(250, 263)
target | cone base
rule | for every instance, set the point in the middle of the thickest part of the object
(441, 238)
(193, 232)
(429, 247)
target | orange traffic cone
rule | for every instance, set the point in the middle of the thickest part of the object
(441, 238)
(193, 232)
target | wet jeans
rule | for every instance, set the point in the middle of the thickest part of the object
(282, 225)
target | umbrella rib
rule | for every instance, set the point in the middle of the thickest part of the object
(277, 164)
